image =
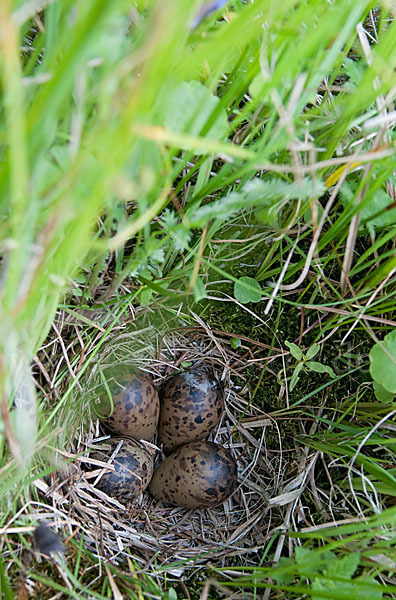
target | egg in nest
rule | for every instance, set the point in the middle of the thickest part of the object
(132, 409)
(133, 468)
(192, 403)
(198, 474)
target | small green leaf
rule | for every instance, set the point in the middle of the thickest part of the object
(355, 69)
(235, 342)
(157, 255)
(319, 368)
(381, 393)
(383, 362)
(178, 231)
(172, 594)
(246, 290)
(294, 350)
(295, 376)
(312, 351)
(145, 296)
(199, 290)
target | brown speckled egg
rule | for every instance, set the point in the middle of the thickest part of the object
(191, 406)
(133, 465)
(136, 404)
(198, 474)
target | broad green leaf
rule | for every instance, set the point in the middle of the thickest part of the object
(312, 351)
(381, 393)
(311, 562)
(283, 578)
(335, 589)
(319, 368)
(246, 290)
(302, 554)
(379, 211)
(294, 350)
(357, 589)
(145, 296)
(383, 362)
(366, 588)
(190, 109)
(343, 567)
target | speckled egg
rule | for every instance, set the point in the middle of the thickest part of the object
(133, 465)
(191, 406)
(135, 403)
(198, 474)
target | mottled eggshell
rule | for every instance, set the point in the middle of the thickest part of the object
(135, 403)
(198, 474)
(191, 406)
(133, 464)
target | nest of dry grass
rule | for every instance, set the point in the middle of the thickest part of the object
(149, 531)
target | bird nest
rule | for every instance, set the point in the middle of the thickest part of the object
(149, 531)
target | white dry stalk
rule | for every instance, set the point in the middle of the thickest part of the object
(365, 480)
(354, 225)
(387, 120)
(314, 243)
(369, 301)
(29, 9)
